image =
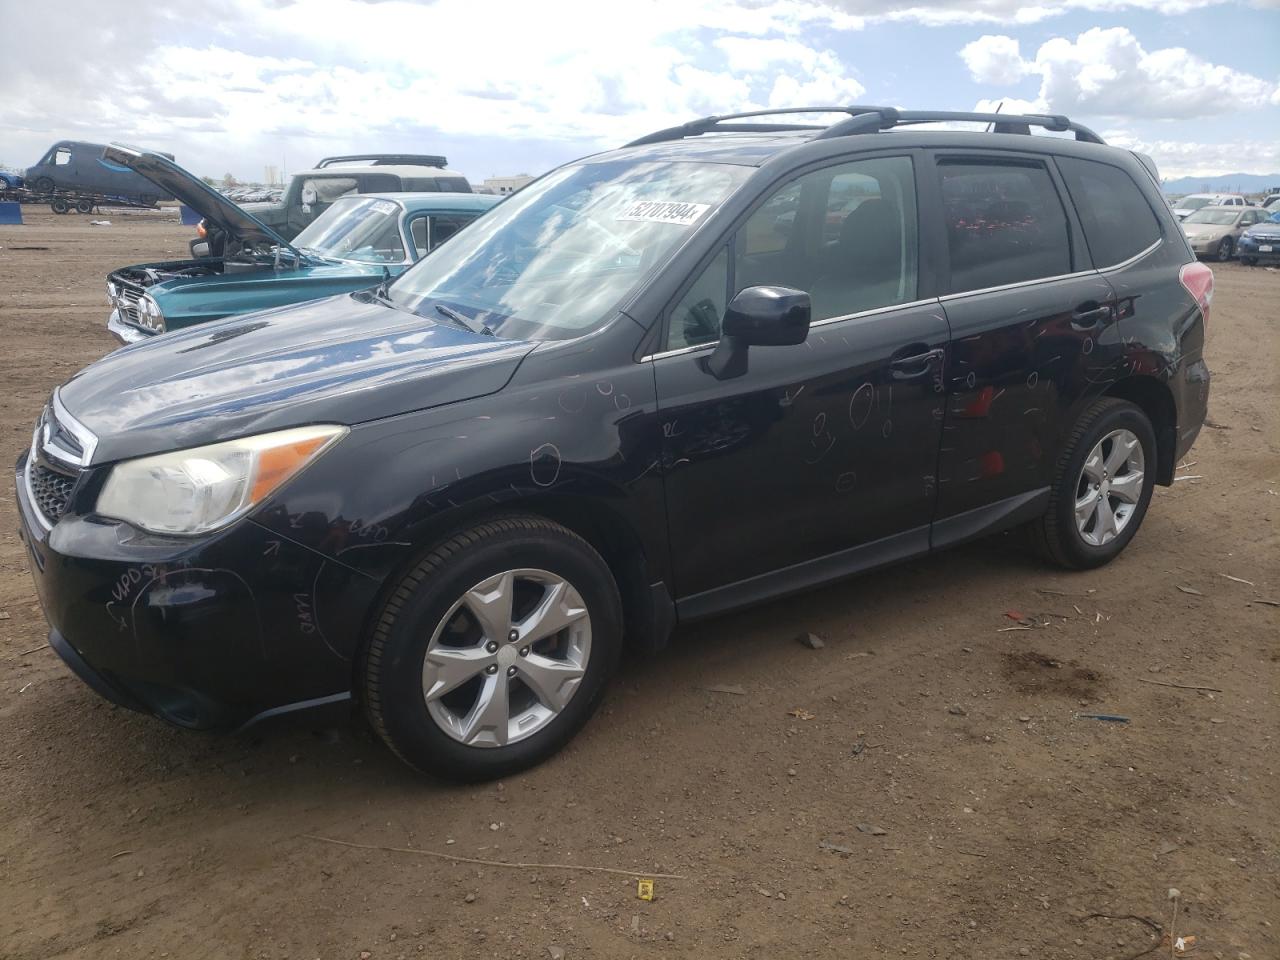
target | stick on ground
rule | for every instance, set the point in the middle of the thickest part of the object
(495, 863)
(1180, 686)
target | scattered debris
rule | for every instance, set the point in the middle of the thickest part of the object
(1237, 579)
(644, 889)
(469, 898)
(1024, 719)
(27, 653)
(556, 951)
(1108, 717)
(99, 223)
(1166, 848)
(1191, 590)
(858, 747)
(957, 711)
(732, 688)
(801, 714)
(834, 848)
(1269, 603)
(4, 614)
(872, 829)
(1007, 629)
(1017, 616)
(1180, 686)
(810, 640)
(1189, 476)
(28, 686)
(1214, 425)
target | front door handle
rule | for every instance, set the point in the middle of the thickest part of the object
(915, 364)
(1087, 317)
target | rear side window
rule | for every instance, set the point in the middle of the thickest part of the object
(1005, 224)
(1118, 222)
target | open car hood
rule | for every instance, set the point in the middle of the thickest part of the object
(233, 219)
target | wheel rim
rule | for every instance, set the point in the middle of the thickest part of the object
(507, 658)
(1224, 251)
(1109, 487)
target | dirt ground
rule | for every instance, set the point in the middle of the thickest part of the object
(919, 787)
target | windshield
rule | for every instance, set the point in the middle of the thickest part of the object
(356, 228)
(1216, 215)
(1194, 203)
(555, 260)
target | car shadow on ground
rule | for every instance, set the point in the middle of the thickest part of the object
(314, 754)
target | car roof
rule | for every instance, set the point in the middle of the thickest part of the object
(417, 202)
(397, 169)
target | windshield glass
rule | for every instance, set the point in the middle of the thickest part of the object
(1194, 203)
(1218, 215)
(356, 228)
(555, 260)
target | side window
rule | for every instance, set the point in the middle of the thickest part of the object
(846, 235)
(1118, 222)
(429, 232)
(62, 156)
(696, 317)
(1005, 224)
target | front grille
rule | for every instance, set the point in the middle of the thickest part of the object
(50, 490)
(127, 303)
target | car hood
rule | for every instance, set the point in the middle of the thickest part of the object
(1268, 228)
(346, 359)
(235, 221)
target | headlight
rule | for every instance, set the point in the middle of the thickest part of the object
(150, 314)
(111, 293)
(202, 489)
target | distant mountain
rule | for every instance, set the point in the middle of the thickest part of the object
(1224, 183)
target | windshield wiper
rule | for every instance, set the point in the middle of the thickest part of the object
(475, 326)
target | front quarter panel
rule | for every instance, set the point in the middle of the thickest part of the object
(553, 436)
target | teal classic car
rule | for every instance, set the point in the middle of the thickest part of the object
(357, 243)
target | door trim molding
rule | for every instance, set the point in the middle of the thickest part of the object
(990, 518)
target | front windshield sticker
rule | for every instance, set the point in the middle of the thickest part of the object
(664, 211)
(383, 206)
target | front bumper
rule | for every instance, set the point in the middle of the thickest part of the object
(1204, 246)
(212, 633)
(126, 332)
(1252, 248)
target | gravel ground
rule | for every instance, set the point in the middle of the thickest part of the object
(918, 787)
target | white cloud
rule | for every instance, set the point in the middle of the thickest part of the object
(1182, 158)
(995, 60)
(1109, 73)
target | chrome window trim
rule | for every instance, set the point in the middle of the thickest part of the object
(1134, 259)
(1019, 284)
(816, 323)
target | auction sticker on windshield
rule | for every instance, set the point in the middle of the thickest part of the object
(664, 211)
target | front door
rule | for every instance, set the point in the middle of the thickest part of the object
(821, 458)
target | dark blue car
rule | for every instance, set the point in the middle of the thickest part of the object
(80, 167)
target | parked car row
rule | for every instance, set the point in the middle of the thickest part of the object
(726, 362)
(359, 240)
(1218, 231)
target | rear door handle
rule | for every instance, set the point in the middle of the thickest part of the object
(1086, 316)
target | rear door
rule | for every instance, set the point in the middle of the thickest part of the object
(1029, 319)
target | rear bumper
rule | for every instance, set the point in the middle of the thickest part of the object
(125, 332)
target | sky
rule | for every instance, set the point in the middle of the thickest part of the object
(504, 87)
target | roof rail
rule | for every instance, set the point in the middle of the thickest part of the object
(862, 119)
(384, 159)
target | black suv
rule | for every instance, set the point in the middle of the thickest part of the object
(729, 361)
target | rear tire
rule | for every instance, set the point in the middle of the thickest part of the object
(59, 205)
(43, 185)
(1101, 487)
(506, 686)
(84, 206)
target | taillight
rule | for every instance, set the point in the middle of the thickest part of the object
(1197, 279)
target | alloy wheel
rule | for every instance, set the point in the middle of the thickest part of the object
(507, 658)
(1109, 487)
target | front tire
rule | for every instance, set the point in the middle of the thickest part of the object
(1226, 248)
(1101, 487)
(1249, 261)
(494, 650)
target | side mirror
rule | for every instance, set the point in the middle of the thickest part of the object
(760, 317)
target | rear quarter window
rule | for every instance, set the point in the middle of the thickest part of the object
(1005, 223)
(1118, 222)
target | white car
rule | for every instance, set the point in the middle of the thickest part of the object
(1194, 201)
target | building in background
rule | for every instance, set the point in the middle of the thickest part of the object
(505, 185)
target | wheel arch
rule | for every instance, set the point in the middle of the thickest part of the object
(648, 610)
(1155, 399)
